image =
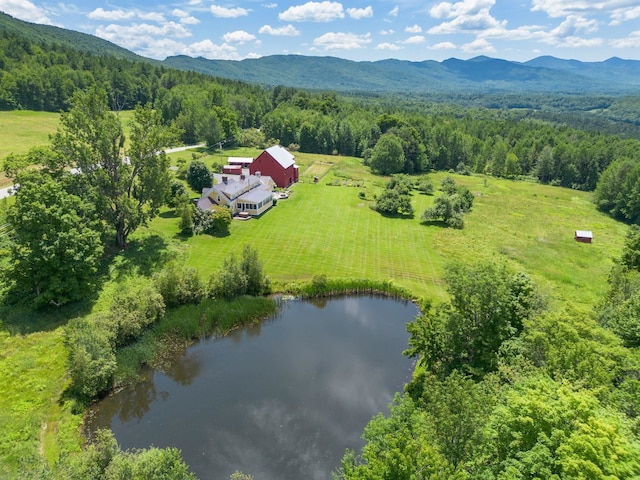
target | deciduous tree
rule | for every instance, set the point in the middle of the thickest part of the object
(127, 187)
(56, 245)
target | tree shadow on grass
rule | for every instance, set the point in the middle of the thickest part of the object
(400, 216)
(23, 319)
(168, 214)
(143, 256)
(434, 223)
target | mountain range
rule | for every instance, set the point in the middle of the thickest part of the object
(481, 74)
(477, 75)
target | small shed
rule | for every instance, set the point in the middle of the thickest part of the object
(232, 169)
(584, 236)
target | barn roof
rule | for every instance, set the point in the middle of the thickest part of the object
(281, 155)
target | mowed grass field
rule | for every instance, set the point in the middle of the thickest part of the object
(326, 228)
(21, 130)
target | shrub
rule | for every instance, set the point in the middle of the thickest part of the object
(92, 361)
(132, 310)
(179, 286)
(240, 277)
(212, 222)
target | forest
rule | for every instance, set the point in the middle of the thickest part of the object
(508, 383)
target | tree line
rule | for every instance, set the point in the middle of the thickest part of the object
(433, 135)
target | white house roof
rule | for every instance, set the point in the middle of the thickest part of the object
(256, 195)
(282, 156)
(584, 233)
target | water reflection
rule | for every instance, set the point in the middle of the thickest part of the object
(282, 399)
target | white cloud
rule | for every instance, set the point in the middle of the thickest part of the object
(152, 17)
(567, 34)
(131, 36)
(313, 12)
(631, 41)
(415, 40)
(110, 15)
(388, 46)
(239, 36)
(555, 8)
(394, 12)
(288, 31)
(479, 45)
(443, 46)
(463, 8)
(189, 20)
(467, 16)
(342, 41)
(270, 5)
(25, 10)
(413, 29)
(387, 32)
(358, 13)
(210, 50)
(621, 15)
(223, 12)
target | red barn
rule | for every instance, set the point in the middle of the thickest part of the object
(277, 163)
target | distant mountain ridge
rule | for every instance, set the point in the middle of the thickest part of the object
(477, 75)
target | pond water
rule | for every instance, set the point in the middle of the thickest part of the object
(278, 400)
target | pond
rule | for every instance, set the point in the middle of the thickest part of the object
(281, 399)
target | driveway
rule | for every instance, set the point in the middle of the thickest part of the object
(6, 192)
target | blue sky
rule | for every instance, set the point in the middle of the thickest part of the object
(588, 30)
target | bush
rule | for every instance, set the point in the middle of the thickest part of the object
(240, 277)
(425, 185)
(132, 310)
(92, 361)
(179, 286)
(212, 222)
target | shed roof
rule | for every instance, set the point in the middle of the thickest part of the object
(239, 160)
(584, 233)
(281, 155)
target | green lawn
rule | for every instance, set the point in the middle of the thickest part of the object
(22, 130)
(323, 229)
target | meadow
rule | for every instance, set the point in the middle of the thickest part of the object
(328, 228)
(322, 228)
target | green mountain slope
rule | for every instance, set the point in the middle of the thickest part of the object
(69, 38)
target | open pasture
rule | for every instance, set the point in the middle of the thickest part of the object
(327, 228)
